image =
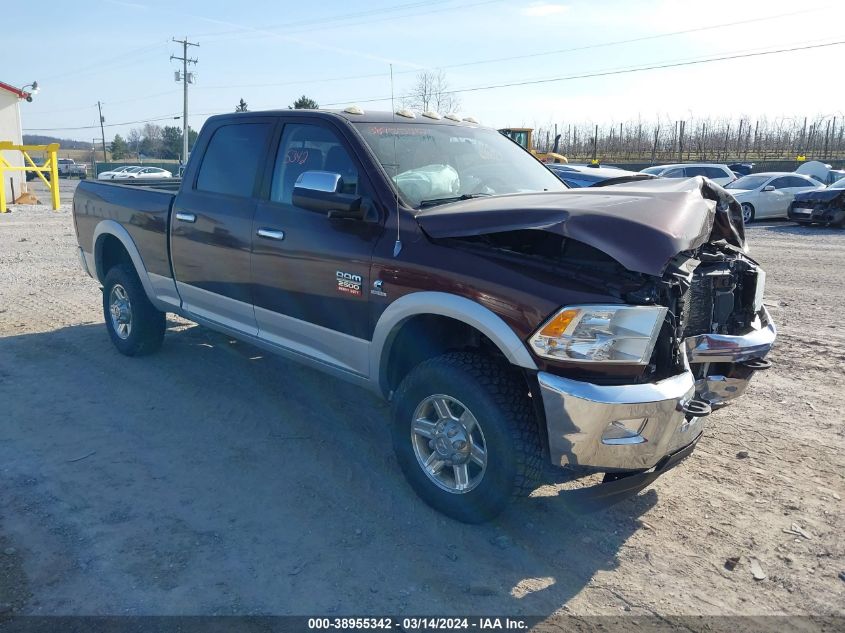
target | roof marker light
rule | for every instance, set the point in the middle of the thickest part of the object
(470, 119)
(405, 112)
(431, 114)
(452, 117)
(354, 109)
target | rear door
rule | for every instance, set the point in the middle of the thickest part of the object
(310, 274)
(211, 223)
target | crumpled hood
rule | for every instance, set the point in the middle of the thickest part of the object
(819, 195)
(642, 225)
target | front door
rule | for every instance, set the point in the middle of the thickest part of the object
(310, 273)
(211, 224)
(777, 202)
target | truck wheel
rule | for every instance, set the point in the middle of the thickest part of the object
(135, 326)
(465, 436)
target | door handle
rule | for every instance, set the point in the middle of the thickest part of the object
(186, 217)
(271, 234)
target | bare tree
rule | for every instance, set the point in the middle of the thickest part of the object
(134, 140)
(431, 92)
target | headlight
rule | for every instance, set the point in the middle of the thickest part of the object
(600, 334)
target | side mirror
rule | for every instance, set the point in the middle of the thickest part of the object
(322, 191)
(769, 188)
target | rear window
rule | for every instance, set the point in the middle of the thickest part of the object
(231, 161)
(795, 181)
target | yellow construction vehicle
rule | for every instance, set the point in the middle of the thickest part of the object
(525, 136)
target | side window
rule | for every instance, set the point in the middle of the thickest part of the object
(780, 183)
(677, 172)
(307, 147)
(794, 181)
(700, 171)
(716, 172)
(231, 161)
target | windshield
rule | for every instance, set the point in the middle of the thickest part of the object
(747, 182)
(839, 184)
(435, 163)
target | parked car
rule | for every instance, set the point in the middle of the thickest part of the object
(821, 172)
(588, 176)
(509, 320)
(719, 174)
(69, 168)
(820, 206)
(741, 169)
(144, 172)
(39, 162)
(769, 194)
(112, 173)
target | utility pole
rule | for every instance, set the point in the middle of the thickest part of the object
(186, 79)
(102, 132)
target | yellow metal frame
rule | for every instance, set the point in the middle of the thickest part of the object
(51, 165)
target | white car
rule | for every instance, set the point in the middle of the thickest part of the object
(769, 194)
(112, 173)
(144, 172)
(719, 174)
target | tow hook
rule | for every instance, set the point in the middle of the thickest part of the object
(695, 407)
(757, 364)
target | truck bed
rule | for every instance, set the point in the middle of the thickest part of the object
(140, 207)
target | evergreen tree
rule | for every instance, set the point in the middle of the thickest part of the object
(118, 148)
(304, 103)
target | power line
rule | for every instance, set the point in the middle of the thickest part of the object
(174, 116)
(634, 40)
(607, 73)
(529, 55)
(443, 67)
(109, 103)
(117, 60)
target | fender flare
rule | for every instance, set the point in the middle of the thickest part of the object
(113, 228)
(449, 305)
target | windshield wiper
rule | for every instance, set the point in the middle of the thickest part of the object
(464, 196)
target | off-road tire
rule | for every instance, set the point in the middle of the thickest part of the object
(498, 398)
(148, 323)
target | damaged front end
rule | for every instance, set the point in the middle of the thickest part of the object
(676, 245)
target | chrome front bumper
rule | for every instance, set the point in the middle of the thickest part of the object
(633, 427)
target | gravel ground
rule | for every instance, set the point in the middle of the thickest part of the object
(212, 479)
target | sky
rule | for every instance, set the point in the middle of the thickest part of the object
(339, 53)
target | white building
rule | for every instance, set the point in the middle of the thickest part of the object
(11, 130)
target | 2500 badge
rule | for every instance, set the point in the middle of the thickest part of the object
(349, 283)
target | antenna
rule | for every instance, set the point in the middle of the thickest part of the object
(397, 246)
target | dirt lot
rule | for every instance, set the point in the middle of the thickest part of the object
(212, 479)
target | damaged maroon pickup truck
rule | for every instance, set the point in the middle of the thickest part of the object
(514, 324)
